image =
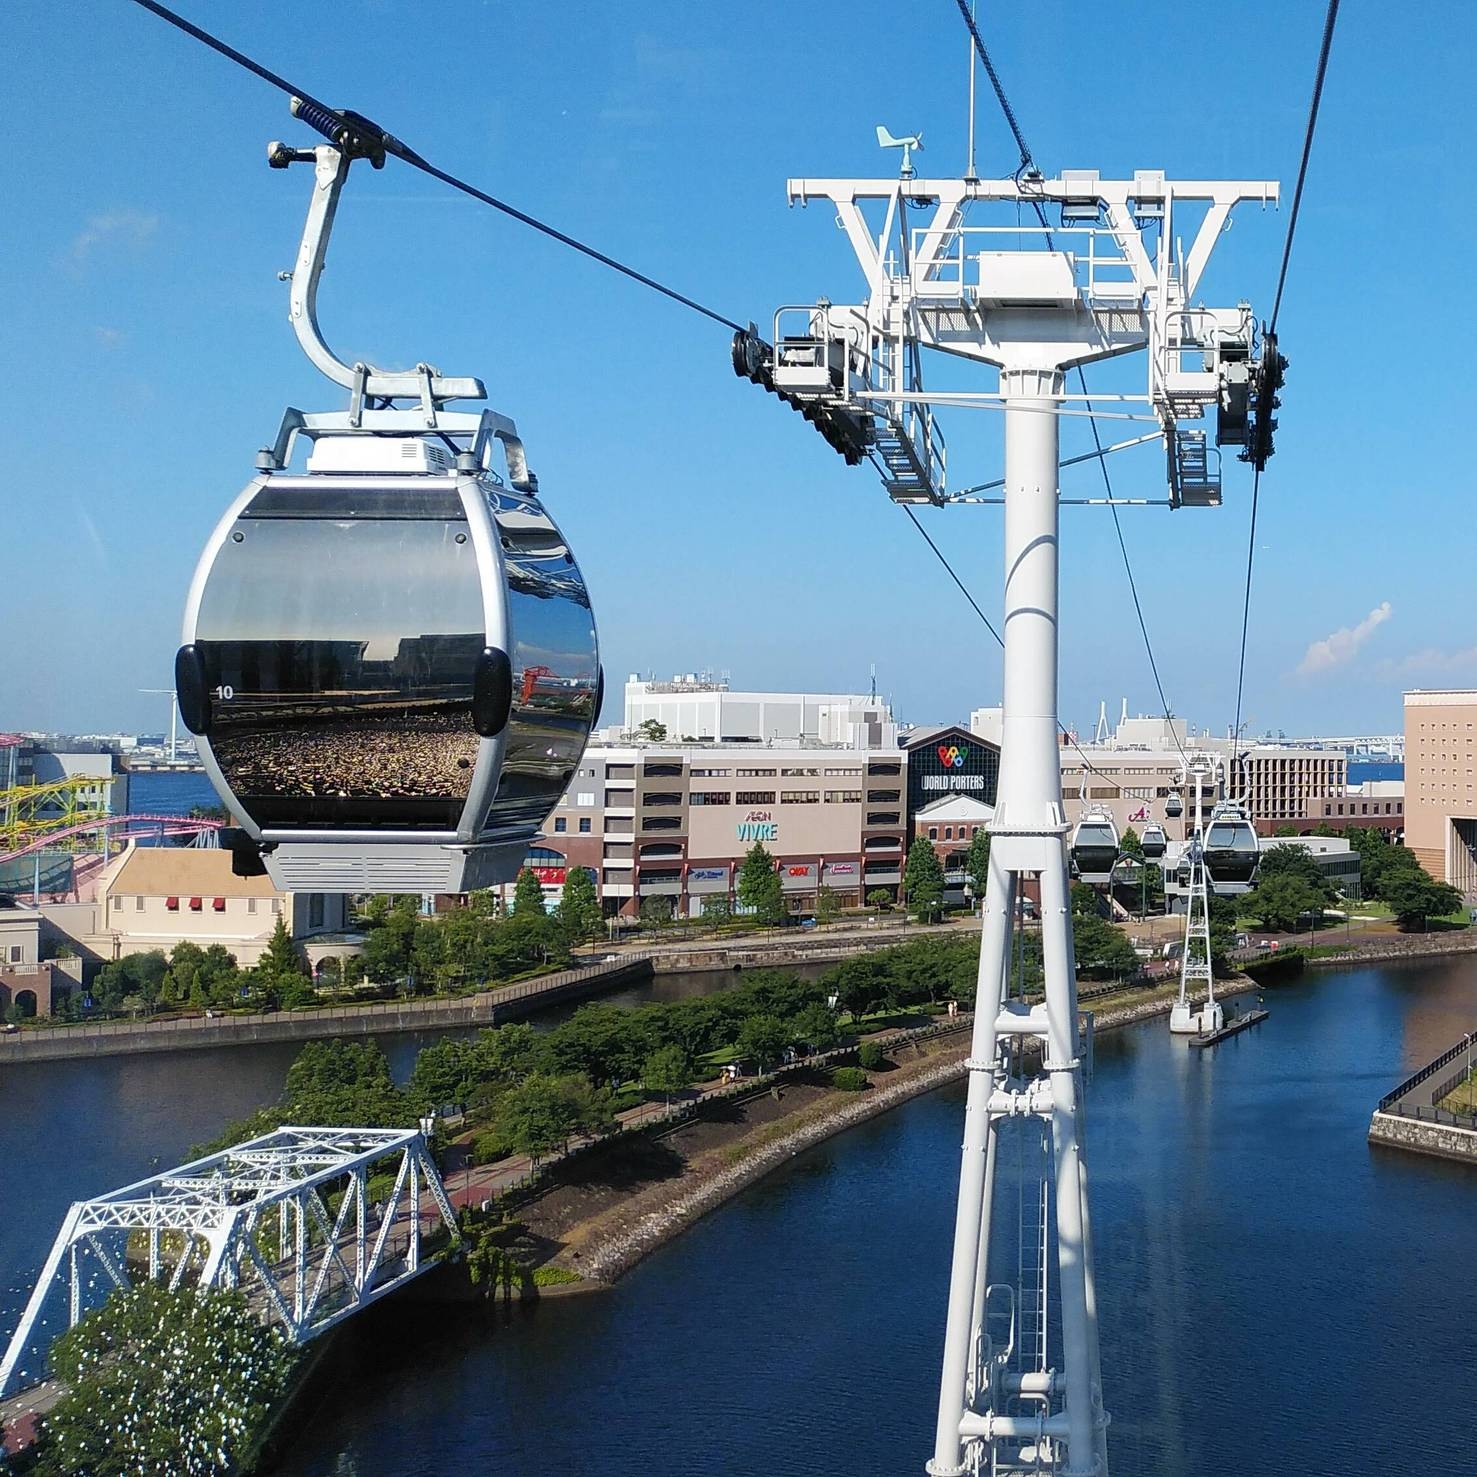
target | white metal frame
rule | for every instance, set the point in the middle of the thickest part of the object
(1033, 313)
(213, 1222)
(1197, 978)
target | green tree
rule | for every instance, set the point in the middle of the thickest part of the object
(879, 898)
(667, 1070)
(1414, 896)
(862, 985)
(923, 880)
(163, 1381)
(282, 957)
(136, 976)
(345, 1084)
(579, 906)
(1101, 950)
(764, 1039)
(717, 908)
(1280, 899)
(977, 862)
(827, 905)
(816, 1027)
(528, 895)
(1296, 861)
(444, 1072)
(1285, 830)
(652, 731)
(759, 886)
(1130, 844)
(542, 1113)
(656, 912)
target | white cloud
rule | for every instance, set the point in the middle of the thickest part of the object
(1343, 645)
(131, 228)
(1430, 660)
(109, 338)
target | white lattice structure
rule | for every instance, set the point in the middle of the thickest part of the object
(257, 1217)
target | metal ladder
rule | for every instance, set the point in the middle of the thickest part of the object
(1032, 1247)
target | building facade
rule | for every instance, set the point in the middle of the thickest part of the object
(1441, 784)
(153, 897)
(675, 821)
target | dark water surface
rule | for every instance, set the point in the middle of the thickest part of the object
(1277, 1298)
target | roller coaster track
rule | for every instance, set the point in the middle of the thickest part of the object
(166, 825)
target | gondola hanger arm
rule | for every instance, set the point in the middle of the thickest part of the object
(423, 384)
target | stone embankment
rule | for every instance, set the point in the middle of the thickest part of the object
(612, 1250)
(1388, 947)
(1444, 1140)
(190, 1033)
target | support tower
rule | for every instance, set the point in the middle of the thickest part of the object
(1103, 274)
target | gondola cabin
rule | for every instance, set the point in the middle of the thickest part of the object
(1153, 842)
(1231, 848)
(1094, 848)
(390, 665)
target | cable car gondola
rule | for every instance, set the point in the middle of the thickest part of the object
(1231, 849)
(1094, 848)
(1174, 807)
(390, 660)
(1154, 841)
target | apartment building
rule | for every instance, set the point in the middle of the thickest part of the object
(1441, 783)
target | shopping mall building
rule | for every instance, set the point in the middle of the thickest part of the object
(675, 820)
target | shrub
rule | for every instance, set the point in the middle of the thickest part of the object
(554, 1276)
(848, 1079)
(869, 1054)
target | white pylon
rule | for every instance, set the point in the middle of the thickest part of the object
(1195, 1009)
(1020, 1393)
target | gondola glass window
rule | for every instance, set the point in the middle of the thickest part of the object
(339, 632)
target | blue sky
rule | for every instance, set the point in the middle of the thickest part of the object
(147, 352)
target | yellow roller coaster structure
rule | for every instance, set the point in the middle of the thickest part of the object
(28, 812)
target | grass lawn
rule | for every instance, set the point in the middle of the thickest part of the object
(1462, 1098)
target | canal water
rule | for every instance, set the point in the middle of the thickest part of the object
(1277, 1297)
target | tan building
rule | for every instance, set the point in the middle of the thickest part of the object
(1441, 784)
(675, 820)
(152, 897)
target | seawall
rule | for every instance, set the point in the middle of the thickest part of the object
(1445, 1141)
(486, 1008)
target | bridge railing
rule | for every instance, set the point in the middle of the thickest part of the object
(1393, 1101)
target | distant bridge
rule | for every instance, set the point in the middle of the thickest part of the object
(261, 1217)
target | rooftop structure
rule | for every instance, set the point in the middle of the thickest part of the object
(704, 708)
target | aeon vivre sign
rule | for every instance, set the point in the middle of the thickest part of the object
(953, 758)
(759, 825)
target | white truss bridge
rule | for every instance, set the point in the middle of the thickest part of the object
(286, 1217)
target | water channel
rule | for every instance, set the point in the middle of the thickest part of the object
(1277, 1297)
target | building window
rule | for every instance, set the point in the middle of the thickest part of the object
(843, 773)
(218, 905)
(560, 824)
(661, 823)
(753, 797)
(584, 825)
(197, 904)
(117, 904)
(709, 797)
(251, 905)
(843, 797)
(933, 833)
(708, 774)
(667, 798)
(751, 773)
(948, 833)
(882, 817)
(15, 953)
(885, 769)
(277, 905)
(798, 773)
(885, 797)
(138, 905)
(171, 903)
(585, 797)
(800, 797)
